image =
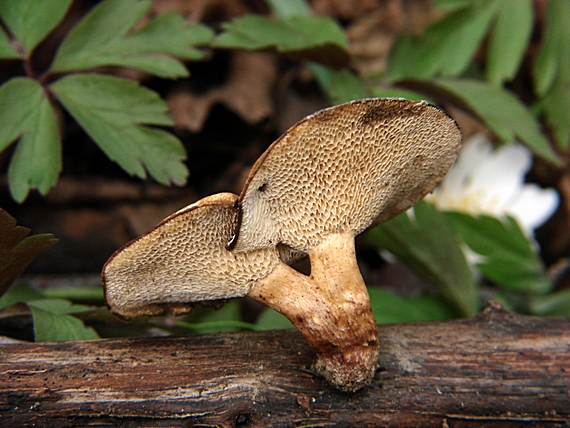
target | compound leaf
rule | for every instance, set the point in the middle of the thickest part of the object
(115, 113)
(105, 37)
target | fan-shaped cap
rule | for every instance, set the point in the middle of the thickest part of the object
(342, 168)
(184, 260)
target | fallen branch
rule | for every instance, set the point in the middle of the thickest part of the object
(496, 369)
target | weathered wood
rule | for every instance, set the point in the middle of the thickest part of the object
(496, 369)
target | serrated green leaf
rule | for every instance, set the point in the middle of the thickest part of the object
(26, 112)
(296, 34)
(552, 71)
(502, 112)
(113, 112)
(30, 21)
(19, 98)
(105, 37)
(390, 309)
(7, 51)
(427, 243)
(508, 257)
(509, 39)
(36, 162)
(50, 326)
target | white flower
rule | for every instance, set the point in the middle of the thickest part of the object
(491, 182)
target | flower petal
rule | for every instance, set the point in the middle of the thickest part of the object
(534, 206)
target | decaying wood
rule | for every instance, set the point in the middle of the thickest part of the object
(496, 369)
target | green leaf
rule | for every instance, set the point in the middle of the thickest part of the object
(289, 8)
(113, 111)
(30, 21)
(502, 112)
(17, 249)
(451, 5)
(25, 111)
(307, 35)
(270, 319)
(425, 241)
(7, 51)
(446, 48)
(19, 292)
(552, 71)
(509, 39)
(508, 257)
(105, 38)
(345, 87)
(52, 324)
(395, 92)
(226, 319)
(553, 304)
(391, 309)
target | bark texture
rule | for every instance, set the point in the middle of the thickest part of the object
(496, 369)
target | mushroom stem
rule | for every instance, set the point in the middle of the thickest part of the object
(332, 310)
(353, 332)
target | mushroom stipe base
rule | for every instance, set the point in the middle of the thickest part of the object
(332, 310)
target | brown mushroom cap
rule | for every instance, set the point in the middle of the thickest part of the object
(184, 260)
(341, 169)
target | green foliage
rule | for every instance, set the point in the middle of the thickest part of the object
(53, 319)
(465, 59)
(449, 45)
(501, 111)
(116, 113)
(426, 242)
(552, 71)
(116, 121)
(145, 49)
(298, 34)
(26, 112)
(30, 22)
(391, 309)
(432, 243)
(17, 249)
(505, 254)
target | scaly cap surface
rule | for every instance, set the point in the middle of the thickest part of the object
(341, 169)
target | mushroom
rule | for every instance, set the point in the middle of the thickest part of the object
(184, 260)
(323, 182)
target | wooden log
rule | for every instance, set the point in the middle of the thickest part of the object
(495, 369)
